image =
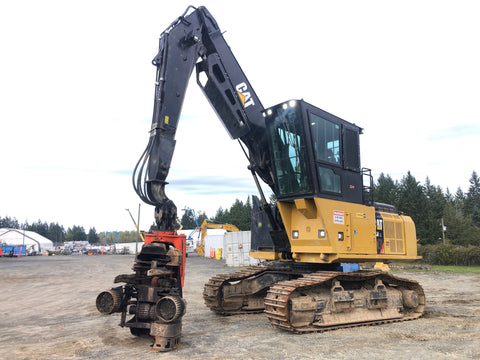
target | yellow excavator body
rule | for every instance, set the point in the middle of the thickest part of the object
(326, 231)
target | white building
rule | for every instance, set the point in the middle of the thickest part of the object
(34, 242)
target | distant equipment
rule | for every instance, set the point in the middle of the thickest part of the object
(203, 233)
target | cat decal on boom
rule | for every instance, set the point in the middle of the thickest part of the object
(244, 95)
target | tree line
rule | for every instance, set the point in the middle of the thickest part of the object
(53, 231)
(238, 214)
(432, 209)
(427, 204)
(58, 235)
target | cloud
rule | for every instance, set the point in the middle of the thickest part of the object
(127, 172)
(84, 170)
(454, 131)
(220, 185)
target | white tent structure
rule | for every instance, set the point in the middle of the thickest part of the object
(34, 242)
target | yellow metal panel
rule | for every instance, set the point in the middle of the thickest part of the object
(306, 207)
(348, 227)
(410, 236)
(349, 232)
(394, 233)
(265, 255)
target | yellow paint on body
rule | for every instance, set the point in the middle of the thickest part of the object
(337, 231)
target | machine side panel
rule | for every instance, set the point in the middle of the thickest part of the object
(324, 230)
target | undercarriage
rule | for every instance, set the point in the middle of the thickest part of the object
(304, 300)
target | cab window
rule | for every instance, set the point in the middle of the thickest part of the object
(289, 152)
(329, 181)
(326, 139)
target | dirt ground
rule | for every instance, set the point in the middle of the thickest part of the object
(48, 312)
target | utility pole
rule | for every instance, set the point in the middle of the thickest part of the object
(444, 228)
(136, 226)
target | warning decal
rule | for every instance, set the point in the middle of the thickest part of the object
(338, 217)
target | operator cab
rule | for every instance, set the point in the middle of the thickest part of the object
(315, 153)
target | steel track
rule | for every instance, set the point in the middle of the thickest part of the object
(213, 295)
(277, 300)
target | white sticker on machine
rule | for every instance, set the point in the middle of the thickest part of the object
(338, 217)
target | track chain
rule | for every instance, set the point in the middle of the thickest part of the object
(213, 295)
(276, 301)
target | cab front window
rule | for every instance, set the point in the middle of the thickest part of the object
(289, 151)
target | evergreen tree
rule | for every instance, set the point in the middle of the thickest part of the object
(56, 233)
(454, 222)
(386, 190)
(248, 214)
(76, 233)
(434, 208)
(459, 200)
(201, 217)
(92, 236)
(436, 200)
(448, 195)
(10, 223)
(38, 227)
(472, 199)
(412, 201)
(470, 234)
(188, 220)
(240, 214)
(221, 216)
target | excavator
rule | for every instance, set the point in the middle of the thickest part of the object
(324, 213)
(203, 233)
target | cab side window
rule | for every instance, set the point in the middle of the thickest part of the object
(326, 139)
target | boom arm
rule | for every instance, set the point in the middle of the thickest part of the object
(195, 40)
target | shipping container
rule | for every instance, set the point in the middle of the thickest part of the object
(237, 249)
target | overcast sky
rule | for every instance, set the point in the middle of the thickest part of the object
(76, 86)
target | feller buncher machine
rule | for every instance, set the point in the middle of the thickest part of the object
(324, 214)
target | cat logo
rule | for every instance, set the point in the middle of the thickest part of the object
(244, 95)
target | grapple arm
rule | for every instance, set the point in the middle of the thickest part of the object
(192, 41)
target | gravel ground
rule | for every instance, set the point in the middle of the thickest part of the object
(48, 312)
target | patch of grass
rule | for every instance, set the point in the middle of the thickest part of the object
(396, 267)
(457, 269)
